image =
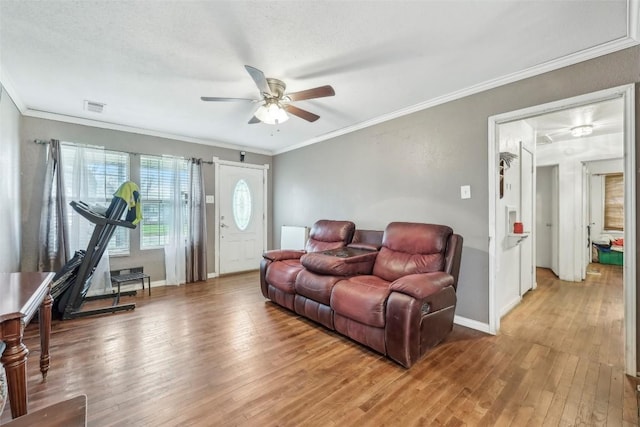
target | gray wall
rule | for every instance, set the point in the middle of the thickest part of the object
(10, 227)
(33, 161)
(411, 168)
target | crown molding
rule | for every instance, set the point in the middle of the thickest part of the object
(633, 24)
(9, 87)
(141, 131)
(633, 39)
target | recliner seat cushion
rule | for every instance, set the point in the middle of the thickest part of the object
(315, 286)
(282, 274)
(361, 298)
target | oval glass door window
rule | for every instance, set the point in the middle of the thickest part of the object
(242, 205)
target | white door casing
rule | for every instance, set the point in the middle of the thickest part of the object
(627, 94)
(543, 216)
(526, 217)
(555, 220)
(585, 244)
(240, 215)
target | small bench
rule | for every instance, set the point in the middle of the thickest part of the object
(126, 275)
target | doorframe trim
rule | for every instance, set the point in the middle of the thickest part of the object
(216, 206)
(627, 93)
(534, 283)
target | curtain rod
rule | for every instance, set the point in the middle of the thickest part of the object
(46, 142)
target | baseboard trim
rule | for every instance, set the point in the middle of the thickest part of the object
(507, 308)
(212, 275)
(472, 324)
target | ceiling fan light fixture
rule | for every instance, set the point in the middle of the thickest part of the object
(272, 113)
(582, 130)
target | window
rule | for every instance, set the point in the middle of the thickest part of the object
(163, 188)
(614, 202)
(92, 175)
(242, 205)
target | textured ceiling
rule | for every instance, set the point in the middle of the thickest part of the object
(150, 61)
(605, 117)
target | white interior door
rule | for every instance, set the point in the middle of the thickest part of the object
(241, 222)
(547, 217)
(526, 217)
(585, 243)
(555, 220)
(543, 216)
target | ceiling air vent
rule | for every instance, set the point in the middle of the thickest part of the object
(94, 107)
(544, 140)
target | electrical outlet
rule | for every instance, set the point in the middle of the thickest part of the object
(209, 199)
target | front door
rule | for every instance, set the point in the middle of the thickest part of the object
(241, 223)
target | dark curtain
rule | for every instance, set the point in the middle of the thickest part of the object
(197, 236)
(53, 250)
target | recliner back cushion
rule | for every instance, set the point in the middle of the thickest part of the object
(327, 234)
(411, 248)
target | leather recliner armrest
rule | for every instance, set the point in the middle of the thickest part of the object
(421, 286)
(365, 246)
(282, 254)
(320, 263)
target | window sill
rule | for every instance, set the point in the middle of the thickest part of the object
(119, 254)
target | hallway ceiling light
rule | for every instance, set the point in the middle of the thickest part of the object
(583, 130)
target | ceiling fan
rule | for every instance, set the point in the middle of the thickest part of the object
(275, 102)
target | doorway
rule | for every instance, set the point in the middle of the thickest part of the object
(546, 227)
(240, 216)
(626, 94)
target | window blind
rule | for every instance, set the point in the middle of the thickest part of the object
(614, 202)
(92, 175)
(163, 184)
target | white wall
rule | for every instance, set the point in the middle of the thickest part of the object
(511, 136)
(412, 167)
(570, 156)
(10, 229)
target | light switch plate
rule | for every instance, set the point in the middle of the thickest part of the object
(465, 192)
(210, 199)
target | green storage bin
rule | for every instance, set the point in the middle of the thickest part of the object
(612, 257)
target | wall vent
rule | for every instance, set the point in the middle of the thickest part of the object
(94, 107)
(544, 140)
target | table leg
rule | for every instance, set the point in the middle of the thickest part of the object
(45, 334)
(14, 359)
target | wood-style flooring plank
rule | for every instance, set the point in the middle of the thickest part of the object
(216, 353)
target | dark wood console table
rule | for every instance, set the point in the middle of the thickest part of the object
(21, 295)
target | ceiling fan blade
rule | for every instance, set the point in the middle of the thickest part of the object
(303, 114)
(259, 78)
(318, 92)
(219, 99)
(254, 120)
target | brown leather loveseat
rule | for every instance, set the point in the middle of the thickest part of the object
(399, 301)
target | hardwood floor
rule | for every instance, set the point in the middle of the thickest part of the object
(217, 353)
